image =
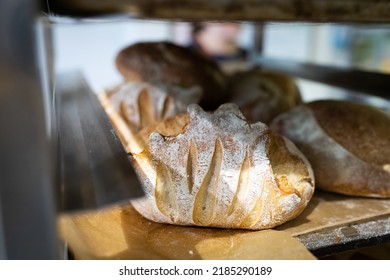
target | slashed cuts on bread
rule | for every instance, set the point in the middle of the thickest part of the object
(218, 170)
(348, 145)
(135, 106)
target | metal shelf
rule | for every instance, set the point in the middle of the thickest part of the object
(372, 83)
(348, 237)
(95, 169)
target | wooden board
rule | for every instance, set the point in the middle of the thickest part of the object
(327, 210)
(241, 10)
(119, 232)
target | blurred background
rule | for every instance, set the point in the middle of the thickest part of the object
(92, 47)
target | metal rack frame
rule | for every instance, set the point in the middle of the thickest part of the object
(27, 197)
(349, 237)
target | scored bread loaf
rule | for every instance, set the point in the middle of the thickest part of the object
(218, 170)
(348, 145)
(136, 106)
(262, 95)
(173, 68)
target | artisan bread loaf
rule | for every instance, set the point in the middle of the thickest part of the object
(348, 145)
(262, 95)
(136, 106)
(218, 170)
(173, 68)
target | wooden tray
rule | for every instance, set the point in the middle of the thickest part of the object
(362, 11)
(119, 232)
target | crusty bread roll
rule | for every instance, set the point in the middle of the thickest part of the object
(348, 145)
(218, 170)
(262, 95)
(135, 106)
(173, 67)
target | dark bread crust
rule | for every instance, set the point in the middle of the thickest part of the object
(361, 129)
(262, 95)
(347, 145)
(168, 65)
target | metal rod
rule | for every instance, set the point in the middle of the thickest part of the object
(356, 80)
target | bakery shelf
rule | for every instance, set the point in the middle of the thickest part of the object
(361, 11)
(322, 242)
(95, 169)
(373, 83)
(349, 237)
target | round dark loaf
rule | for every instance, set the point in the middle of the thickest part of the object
(348, 145)
(173, 68)
(262, 95)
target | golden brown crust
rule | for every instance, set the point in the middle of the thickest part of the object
(345, 144)
(136, 109)
(262, 95)
(169, 127)
(214, 170)
(141, 105)
(217, 170)
(169, 66)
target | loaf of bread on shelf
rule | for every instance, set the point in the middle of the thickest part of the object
(135, 106)
(262, 95)
(173, 67)
(348, 145)
(218, 170)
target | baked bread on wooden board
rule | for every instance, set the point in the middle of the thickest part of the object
(262, 95)
(173, 68)
(218, 170)
(348, 145)
(120, 232)
(214, 169)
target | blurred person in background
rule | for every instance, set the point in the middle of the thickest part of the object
(218, 41)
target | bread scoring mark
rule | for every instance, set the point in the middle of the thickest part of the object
(124, 130)
(165, 193)
(241, 190)
(206, 197)
(192, 163)
(241, 117)
(167, 104)
(284, 185)
(124, 114)
(218, 165)
(254, 215)
(145, 108)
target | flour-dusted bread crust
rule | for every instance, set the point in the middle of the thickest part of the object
(218, 170)
(347, 144)
(173, 68)
(262, 95)
(136, 106)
